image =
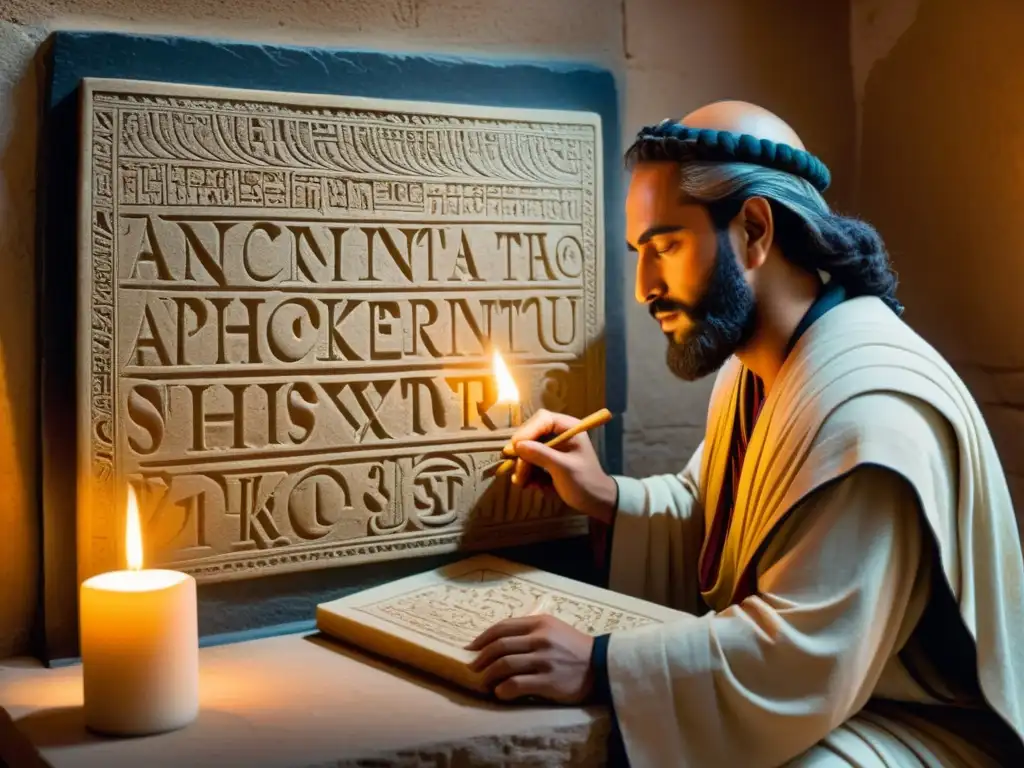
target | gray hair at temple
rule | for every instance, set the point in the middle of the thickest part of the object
(807, 231)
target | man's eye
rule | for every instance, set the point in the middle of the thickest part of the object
(666, 249)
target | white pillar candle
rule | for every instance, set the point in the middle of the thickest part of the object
(140, 646)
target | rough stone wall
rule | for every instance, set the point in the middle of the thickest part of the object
(670, 56)
(941, 124)
(581, 746)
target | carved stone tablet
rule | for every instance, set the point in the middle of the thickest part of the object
(426, 620)
(288, 309)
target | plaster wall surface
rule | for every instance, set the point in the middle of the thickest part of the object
(940, 176)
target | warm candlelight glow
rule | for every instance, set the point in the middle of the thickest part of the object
(139, 635)
(133, 533)
(508, 392)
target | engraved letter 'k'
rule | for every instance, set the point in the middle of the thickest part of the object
(252, 499)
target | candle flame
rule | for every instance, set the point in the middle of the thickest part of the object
(508, 392)
(133, 533)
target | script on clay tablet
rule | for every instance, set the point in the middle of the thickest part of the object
(288, 310)
(425, 621)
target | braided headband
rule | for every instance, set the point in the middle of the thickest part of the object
(708, 144)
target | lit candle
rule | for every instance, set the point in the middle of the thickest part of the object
(508, 392)
(139, 644)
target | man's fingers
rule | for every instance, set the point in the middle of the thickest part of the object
(537, 426)
(514, 666)
(503, 646)
(526, 475)
(538, 454)
(520, 472)
(523, 685)
(522, 625)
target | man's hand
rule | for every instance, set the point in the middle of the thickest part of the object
(535, 656)
(573, 466)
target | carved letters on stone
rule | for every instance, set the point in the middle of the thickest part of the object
(288, 305)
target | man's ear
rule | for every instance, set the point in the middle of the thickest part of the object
(758, 231)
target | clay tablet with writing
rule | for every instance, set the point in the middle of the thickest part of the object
(426, 620)
(288, 310)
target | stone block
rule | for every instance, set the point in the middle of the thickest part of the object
(274, 506)
(427, 620)
(302, 700)
(289, 309)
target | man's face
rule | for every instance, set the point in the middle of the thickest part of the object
(687, 273)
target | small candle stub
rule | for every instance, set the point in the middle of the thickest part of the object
(140, 646)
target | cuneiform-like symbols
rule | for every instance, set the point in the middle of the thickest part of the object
(456, 613)
(354, 142)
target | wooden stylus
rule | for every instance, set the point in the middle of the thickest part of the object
(596, 419)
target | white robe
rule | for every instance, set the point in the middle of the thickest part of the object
(869, 467)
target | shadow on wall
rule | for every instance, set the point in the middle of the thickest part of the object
(20, 540)
(943, 179)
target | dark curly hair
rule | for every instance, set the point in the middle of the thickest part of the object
(807, 231)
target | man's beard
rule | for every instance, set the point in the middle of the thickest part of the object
(723, 319)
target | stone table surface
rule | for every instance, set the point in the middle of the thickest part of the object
(303, 700)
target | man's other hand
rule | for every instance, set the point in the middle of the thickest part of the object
(535, 656)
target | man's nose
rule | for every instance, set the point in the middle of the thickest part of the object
(649, 285)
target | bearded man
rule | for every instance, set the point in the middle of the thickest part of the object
(842, 543)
